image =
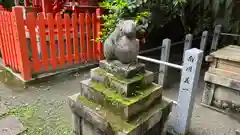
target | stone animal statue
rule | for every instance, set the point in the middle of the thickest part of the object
(122, 44)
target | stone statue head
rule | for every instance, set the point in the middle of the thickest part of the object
(127, 28)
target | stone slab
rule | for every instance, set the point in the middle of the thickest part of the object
(222, 80)
(125, 86)
(11, 126)
(230, 52)
(111, 124)
(3, 109)
(116, 68)
(126, 107)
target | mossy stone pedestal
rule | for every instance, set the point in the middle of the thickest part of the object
(119, 99)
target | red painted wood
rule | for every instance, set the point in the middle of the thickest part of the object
(88, 37)
(10, 46)
(68, 39)
(21, 43)
(94, 34)
(53, 49)
(6, 42)
(98, 27)
(41, 26)
(11, 34)
(75, 37)
(82, 35)
(60, 40)
(31, 24)
(2, 41)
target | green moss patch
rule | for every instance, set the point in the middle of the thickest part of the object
(114, 96)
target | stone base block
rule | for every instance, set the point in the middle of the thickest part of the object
(116, 68)
(98, 120)
(125, 86)
(126, 107)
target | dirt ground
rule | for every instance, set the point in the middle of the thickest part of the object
(51, 97)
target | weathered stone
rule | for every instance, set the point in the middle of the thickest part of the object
(3, 109)
(89, 129)
(116, 68)
(76, 124)
(11, 126)
(103, 118)
(126, 107)
(125, 86)
(238, 132)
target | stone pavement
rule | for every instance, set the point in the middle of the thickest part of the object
(9, 125)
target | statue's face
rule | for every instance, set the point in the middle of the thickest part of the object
(128, 28)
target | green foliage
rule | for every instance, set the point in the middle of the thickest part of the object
(119, 10)
(198, 15)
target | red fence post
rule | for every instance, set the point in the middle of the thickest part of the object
(21, 43)
(98, 30)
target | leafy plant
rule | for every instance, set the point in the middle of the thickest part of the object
(119, 10)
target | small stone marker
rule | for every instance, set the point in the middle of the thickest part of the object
(11, 126)
(3, 109)
(187, 92)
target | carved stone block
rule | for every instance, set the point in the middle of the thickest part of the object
(104, 122)
(125, 86)
(116, 68)
(126, 107)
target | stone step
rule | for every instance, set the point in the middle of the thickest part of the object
(11, 126)
(104, 122)
(126, 86)
(116, 68)
(126, 107)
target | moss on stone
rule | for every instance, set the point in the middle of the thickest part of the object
(122, 80)
(117, 123)
(114, 96)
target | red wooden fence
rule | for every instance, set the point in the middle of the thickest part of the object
(37, 45)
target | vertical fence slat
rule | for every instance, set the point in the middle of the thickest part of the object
(6, 40)
(88, 35)
(21, 42)
(2, 41)
(13, 43)
(10, 47)
(53, 49)
(82, 37)
(60, 40)
(68, 39)
(98, 30)
(31, 24)
(94, 36)
(42, 37)
(75, 37)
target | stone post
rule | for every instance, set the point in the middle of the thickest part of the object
(204, 40)
(163, 69)
(188, 88)
(216, 36)
(188, 43)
